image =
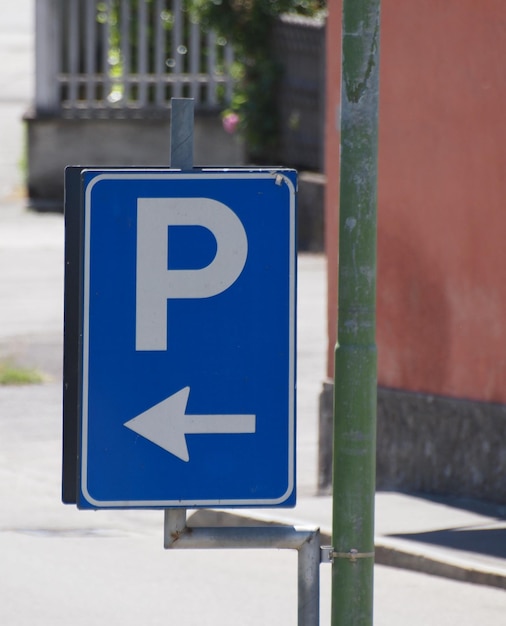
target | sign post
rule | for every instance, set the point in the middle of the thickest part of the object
(354, 452)
(181, 155)
(180, 349)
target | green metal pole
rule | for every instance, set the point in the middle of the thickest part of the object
(354, 452)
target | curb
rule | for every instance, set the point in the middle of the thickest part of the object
(405, 555)
(396, 553)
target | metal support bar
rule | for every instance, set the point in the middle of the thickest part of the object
(181, 133)
(181, 156)
(308, 580)
(177, 535)
(241, 537)
(174, 524)
(305, 540)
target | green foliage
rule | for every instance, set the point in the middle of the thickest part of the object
(247, 25)
(11, 374)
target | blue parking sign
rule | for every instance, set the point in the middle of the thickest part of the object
(188, 338)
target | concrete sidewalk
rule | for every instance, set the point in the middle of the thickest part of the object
(446, 537)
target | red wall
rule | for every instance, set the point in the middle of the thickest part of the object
(441, 198)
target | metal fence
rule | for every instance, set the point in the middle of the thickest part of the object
(298, 45)
(120, 58)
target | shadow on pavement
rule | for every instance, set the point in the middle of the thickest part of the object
(487, 541)
(480, 507)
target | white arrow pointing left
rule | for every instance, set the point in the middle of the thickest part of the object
(166, 424)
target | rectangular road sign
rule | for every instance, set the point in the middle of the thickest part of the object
(187, 377)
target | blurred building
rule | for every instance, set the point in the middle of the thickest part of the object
(441, 300)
